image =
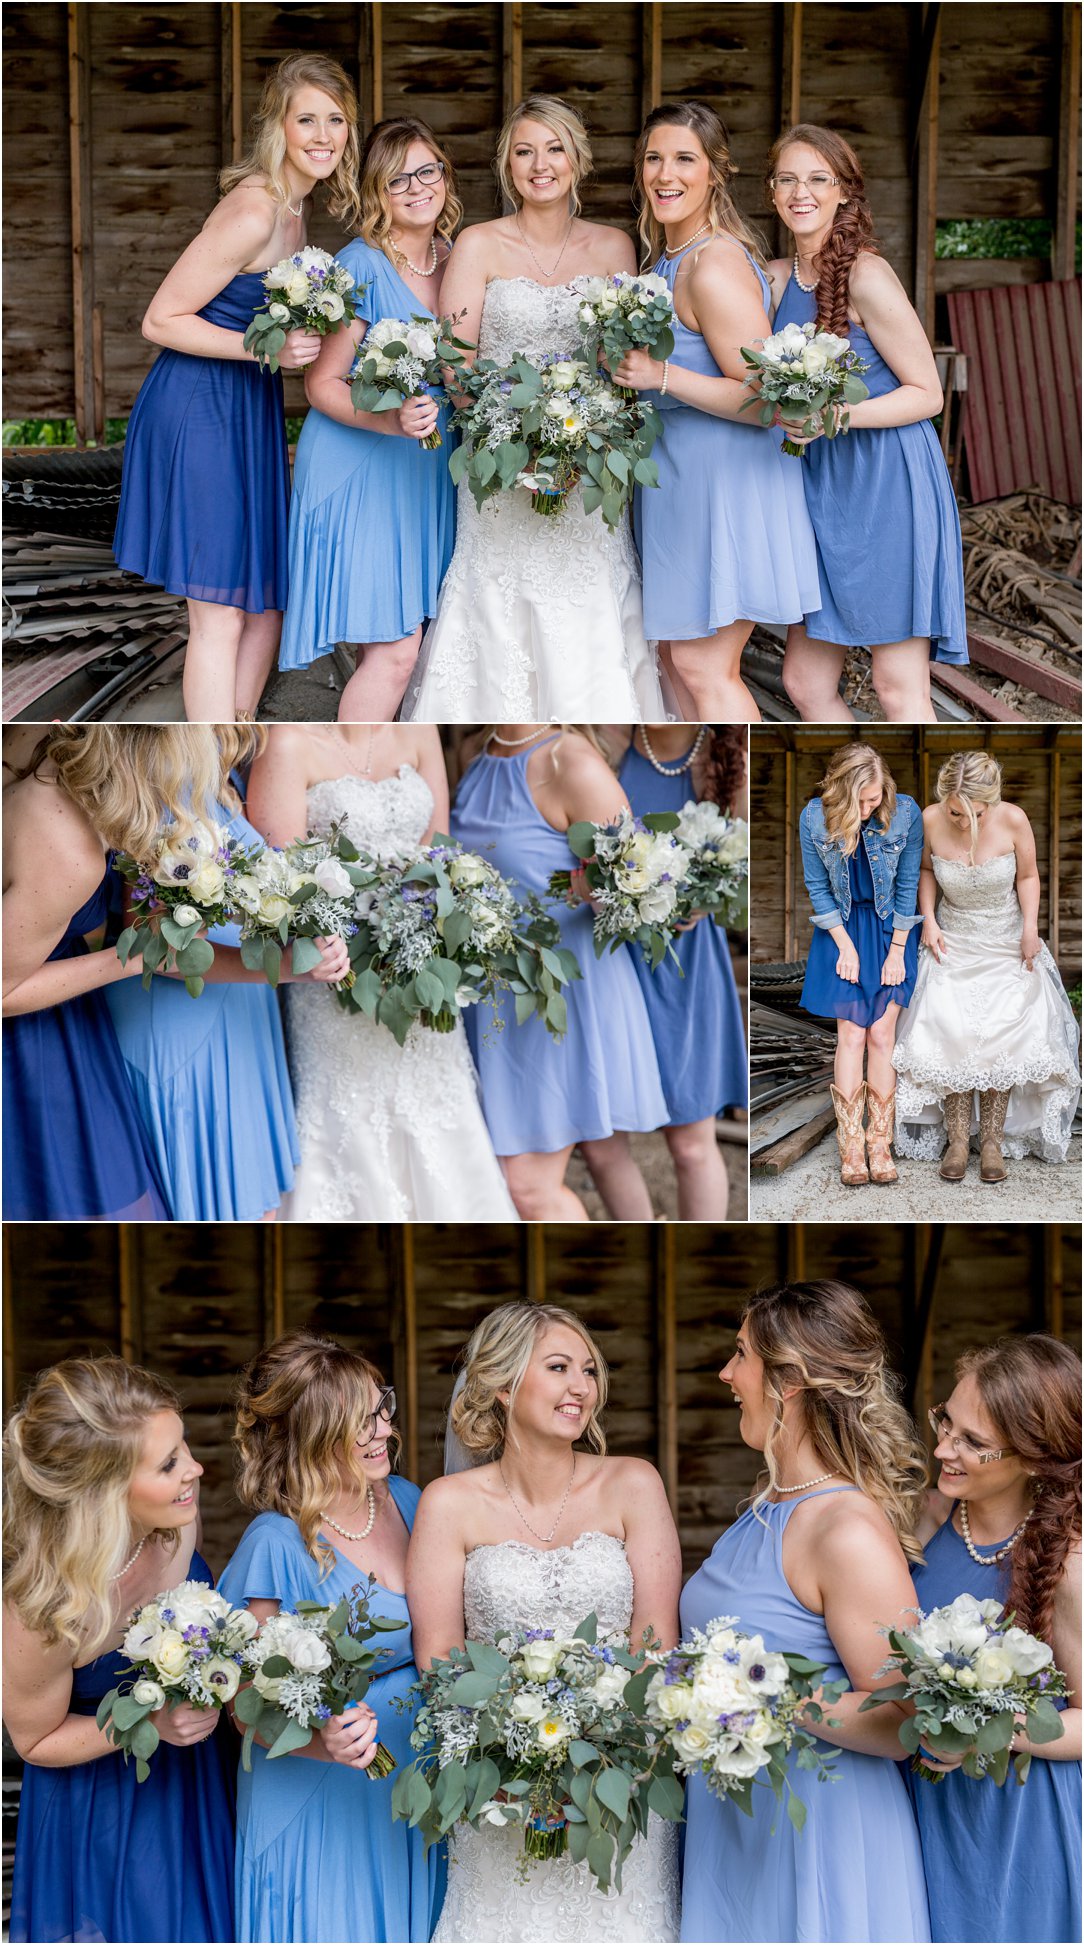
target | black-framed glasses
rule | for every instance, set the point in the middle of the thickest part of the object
(385, 1407)
(425, 177)
(959, 1441)
(817, 181)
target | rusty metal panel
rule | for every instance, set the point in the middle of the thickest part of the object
(1021, 422)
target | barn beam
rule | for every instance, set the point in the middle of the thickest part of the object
(1053, 1279)
(790, 69)
(129, 1294)
(232, 83)
(1063, 254)
(10, 1350)
(405, 1298)
(666, 1450)
(651, 56)
(790, 932)
(1053, 921)
(511, 55)
(925, 154)
(920, 1332)
(89, 428)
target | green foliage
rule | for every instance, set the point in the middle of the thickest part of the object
(56, 432)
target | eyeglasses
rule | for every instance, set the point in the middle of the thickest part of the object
(815, 182)
(959, 1441)
(385, 1408)
(425, 177)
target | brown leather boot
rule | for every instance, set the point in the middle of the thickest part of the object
(992, 1107)
(882, 1121)
(851, 1137)
(956, 1109)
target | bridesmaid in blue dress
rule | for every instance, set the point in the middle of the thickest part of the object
(880, 498)
(101, 1515)
(817, 1565)
(540, 1096)
(1005, 1863)
(318, 1855)
(372, 520)
(725, 539)
(206, 471)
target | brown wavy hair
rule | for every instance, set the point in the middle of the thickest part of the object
(724, 760)
(824, 1338)
(301, 1404)
(723, 214)
(495, 1360)
(382, 158)
(852, 225)
(1031, 1388)
(266, 152)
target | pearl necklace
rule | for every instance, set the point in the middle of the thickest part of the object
(544, 1537)
(987, 1559)
(679, 247)
(132, 1561)
(515, 742)
(673, 769)
(370, 1501)
(808, 288)
(432, 270)
(806, 1483)
(538, 266)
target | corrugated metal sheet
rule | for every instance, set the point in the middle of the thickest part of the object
(1021, 422)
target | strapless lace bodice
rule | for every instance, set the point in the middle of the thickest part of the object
(387, 816)
(979, 898)
(512, 1586)
(536, 320)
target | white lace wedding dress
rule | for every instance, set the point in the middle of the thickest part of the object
(387, 1133)
(979, 1021)
(513, 1586)
(539, 620)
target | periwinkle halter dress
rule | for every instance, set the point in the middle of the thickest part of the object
(853, 1875)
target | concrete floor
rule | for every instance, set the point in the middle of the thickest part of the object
(811, 1191)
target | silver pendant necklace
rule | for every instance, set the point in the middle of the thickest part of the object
(370, 1501)
(673, 769)
(538, 266)
(544, 1537)
(987, 1559)
(132, 1561)
(345, 742)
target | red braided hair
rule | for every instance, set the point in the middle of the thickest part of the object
(724, 764)
(852, 226)
(1031, 1388)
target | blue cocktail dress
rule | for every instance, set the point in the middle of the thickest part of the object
(1000, 1863)
(828, 996)
(884, 513)
(372, 518)
(854, 1873)
(206, 481)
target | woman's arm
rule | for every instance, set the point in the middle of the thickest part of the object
(326, 389)
(723, 296)
(463, 290)
(1065, 1641)
(434, 1573)
(653, 1550)
(37, 1706)
(433, 769)
(894, 327)
(864, 1586)
(278, 782)
(55, 864)
(826, 912)
(577, 784)
(932, 935)
(237, 232)
(1028, 888)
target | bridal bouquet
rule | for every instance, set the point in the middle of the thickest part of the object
(545, 1731)
(288, 898)
(716, 877)
(308, 1666)
(626, 313)
(970, 1674)
(728, 1710)
(308, 289)
(805, 374)
(445, 931)
(399, 358)
(636, 870)
(184, 1646)
(545, 426)
(178, 892)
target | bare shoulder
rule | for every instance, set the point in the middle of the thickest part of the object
(1067, 1596)
(289, 746)
(247, 213)
(935, 1513)
(1015, 817)
(447, 1497)
(634, 1482)
(610, 242)
(848, 1525)
(931, 817)
(476, 244)
(42, 817)
(872, 276)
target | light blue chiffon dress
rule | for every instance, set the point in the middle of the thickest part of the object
(540, 1095)
(1000, 1863)
(855, 1872)
(318, 1856)
(725, 536)
(372, 517)
(884, 513)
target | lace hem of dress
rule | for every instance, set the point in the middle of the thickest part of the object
(918, 1139)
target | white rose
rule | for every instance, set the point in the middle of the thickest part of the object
(760, 1733)
(297, 287)
(539, 1659)
(223, 1676)
(143, 1636)
(587, 314)
(332, 879)
(815, 360)
(792, 339)
(691, 1744)
(528, 1706)
(331, 306)
(467, 870)
(608, 302)
(735, 846)
(245, 892)
(267, 1685)
(993, 1667)
(244, 1625)
(419, 342)
(171, 1654)
(149, 1694)
(186, 915)
(609, 1684)
(208, 883)
(1026, 1654)
(272, 909)
(657, 904)
(966, 1678)
(280, 312)
(308, 1653)
(736, 1760)
(564, 374)
(671, 1703)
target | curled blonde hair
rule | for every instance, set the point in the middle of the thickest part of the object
(496, 1359)
(824, 1338)
(851, 770)
(302, 1405)
(71, 1450)
(382, 158)
(570, 131)
(723, 214)
(130, 779)
(974, 776)
(266, 152)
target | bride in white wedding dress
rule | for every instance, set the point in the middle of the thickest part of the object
(538, 619)
(537, 1535)
(387, 1133)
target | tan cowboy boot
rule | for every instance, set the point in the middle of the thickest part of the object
(956, 1109)
(851, 1137)
(882, 1121)
(992, 1107)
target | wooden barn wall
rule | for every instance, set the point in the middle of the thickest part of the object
(161, 113)
(1041, 770)
(194, 1302)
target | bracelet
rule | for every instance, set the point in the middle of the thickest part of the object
(665, 377)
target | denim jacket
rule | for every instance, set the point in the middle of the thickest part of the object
(894, 857)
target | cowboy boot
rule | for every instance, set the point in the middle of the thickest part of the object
(851, 1137)
(956, 1109)
(992, 1107)
(882, 1121)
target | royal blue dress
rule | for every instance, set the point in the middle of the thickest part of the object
(696, 1021)
(884, 513)
(830, 997)
(318, 1855)
(372, 519)
(206, 480)
(212, 1086)
(74, 1149)
(855, 1872)
(100, 1856)
(540, 1095)
(725, 535)
(1000, 1863)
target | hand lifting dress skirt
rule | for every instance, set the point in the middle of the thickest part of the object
(884, 513)
(206, 482)
(824, 993)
